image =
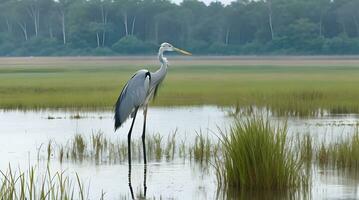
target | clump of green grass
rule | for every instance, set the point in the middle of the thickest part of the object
(77, 116)
(99, 143)
(158, 150)
(258, 156)
(306, 148)
(171, 146)
(49, 150)
(201, 149)
(121, 150)
(182, 149)
(61, 154)
(29, 184)
(78, 147)
(322, 154)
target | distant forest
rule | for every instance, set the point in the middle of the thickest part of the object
(122, 27)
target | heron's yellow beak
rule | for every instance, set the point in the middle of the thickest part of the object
(182, 51)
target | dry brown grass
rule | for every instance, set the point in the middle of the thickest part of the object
(182, 61)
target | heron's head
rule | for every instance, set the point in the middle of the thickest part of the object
(169, 47)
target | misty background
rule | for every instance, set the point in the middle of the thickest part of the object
(126, 27)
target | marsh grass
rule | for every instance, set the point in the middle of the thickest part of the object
(77, 116)
(287, 90)
(78, 147)
(171, 146)
(201, 148)
(157, 145)
(49, 150)
(342, 154)
(306, 148)
(99, 144)
(182, 149)
(258, 156)
(322, 154)
(101, 149)
(30, 184)
(61, 154)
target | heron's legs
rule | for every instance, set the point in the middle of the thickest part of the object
(143, 134)
(129, 137)
(130, 183)
(144, 149)
(145, 179)
(129, 153)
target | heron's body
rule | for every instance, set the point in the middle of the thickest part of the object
(137, 93)
(134, 95)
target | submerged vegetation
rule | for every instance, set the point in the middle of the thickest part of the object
(279, 85)
(258, 156)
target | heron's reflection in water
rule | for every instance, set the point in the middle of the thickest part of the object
(144, 180)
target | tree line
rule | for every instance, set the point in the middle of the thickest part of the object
(115, 27)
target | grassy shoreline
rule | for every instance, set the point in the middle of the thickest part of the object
(96, 84)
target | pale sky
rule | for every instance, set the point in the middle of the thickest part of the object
(225, 2)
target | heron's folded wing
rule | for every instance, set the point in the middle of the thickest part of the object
(132, 96)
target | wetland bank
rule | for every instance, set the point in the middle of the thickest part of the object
(56, 115)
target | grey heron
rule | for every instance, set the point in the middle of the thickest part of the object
(138, 92)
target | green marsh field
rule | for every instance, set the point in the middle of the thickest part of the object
(285, 84)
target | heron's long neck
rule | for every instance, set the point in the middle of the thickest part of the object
(158, 76)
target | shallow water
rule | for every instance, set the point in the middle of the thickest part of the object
(21, 133)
